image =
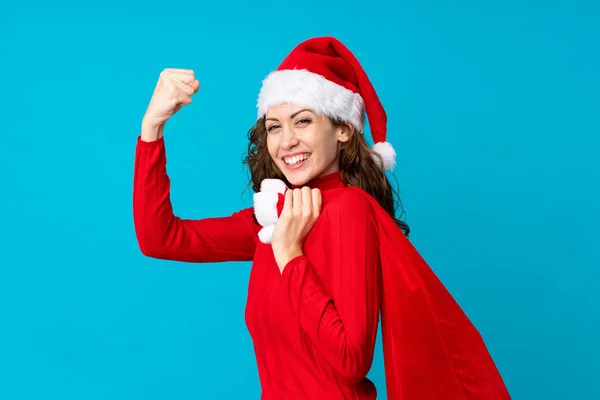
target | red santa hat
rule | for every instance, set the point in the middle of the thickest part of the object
(322, 74)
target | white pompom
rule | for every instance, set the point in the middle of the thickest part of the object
(265, 207)
(266, 234)
(272, 185)
(387, 152)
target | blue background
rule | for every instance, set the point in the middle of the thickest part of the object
(493, 110)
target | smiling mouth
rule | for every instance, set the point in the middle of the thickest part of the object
(291, 161)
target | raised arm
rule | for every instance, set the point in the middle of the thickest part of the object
(163, 235)
(159, 232)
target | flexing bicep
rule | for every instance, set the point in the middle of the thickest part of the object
(163, 235)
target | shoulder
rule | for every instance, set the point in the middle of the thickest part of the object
(248, 214)
(347, 201)
(349, 211)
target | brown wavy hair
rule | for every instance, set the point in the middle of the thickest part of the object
(356, 164)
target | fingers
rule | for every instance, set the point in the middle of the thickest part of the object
(187, 89)
(307, 202)
(186, 76)
(303, 203)
(181, 98)
(182, 75)
(195, 85)
(317, 201)
(297, 203)
(184, 79)
(186, 71)
(181, 85)
(287, 202)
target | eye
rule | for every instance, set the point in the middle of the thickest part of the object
(269, 129)
(303, 121)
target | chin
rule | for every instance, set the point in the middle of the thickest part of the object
(298, 178)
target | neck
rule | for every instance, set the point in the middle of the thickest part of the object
(329, 181)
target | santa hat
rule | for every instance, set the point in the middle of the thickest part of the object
(322, 74)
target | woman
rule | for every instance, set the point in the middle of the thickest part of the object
(328, 254)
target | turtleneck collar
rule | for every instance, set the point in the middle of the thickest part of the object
(330, 181)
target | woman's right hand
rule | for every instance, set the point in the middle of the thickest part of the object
(173, 90)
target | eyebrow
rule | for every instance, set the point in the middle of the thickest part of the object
(291, 116)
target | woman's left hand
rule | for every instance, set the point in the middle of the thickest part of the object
(300, 212)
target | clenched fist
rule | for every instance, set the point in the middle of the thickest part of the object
(300, 212)
(173, 90)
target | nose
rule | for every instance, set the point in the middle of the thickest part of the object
(289, 138)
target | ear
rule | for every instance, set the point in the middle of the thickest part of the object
(344, 132)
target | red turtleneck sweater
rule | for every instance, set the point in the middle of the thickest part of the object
(314, 325)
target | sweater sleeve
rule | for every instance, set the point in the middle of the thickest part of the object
(162, 235)
(342, 324)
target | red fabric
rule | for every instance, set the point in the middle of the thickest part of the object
(431, 348)
(160, 234)
(314, 325)
(330, 58)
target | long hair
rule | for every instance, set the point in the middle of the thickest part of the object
(357, 167)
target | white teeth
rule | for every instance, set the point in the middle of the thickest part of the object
(296, 159)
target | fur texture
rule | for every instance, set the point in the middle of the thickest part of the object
(313, 91)
(265, 235)
(265, 207)
(307, 89)
(388, 154)
(273, 186)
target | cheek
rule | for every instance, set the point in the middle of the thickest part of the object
(328, 148)
(271, 147)
(320, 143)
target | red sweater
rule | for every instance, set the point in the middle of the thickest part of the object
(314, 325)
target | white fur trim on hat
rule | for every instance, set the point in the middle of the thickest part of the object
(387, 153)
(311, 90)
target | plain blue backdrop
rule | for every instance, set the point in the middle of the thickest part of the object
(493, 109)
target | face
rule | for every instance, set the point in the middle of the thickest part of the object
(304, 145)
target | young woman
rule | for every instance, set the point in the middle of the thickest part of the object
(328, 254)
